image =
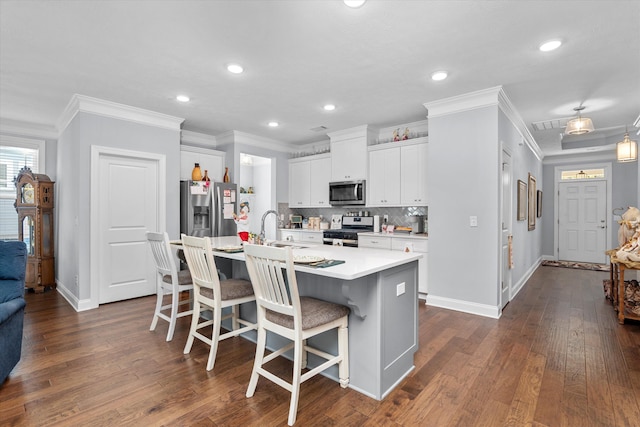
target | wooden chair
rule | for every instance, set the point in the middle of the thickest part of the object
(211, 293)
(170, 281)
(282, 310)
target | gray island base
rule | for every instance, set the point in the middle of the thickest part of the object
(380, 287)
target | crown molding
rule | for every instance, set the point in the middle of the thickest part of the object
(464, 102)
(100, 107)
(199, 139)
(237, 137)
(35, 130)
(480, 99)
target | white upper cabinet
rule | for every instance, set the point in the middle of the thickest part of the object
(413, 177)
(209, 160)
(320, 171)
(349, 153)
(299, 183)
(384, 177)
(309, 181)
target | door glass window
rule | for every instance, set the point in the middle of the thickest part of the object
(582, 174)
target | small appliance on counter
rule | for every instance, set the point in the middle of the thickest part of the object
(296, 221)
(417, 223)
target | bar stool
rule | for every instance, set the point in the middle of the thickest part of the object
(170, 281)
(211, 293)
(283, 311)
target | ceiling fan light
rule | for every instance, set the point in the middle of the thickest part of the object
(579, 126)
(627, 150)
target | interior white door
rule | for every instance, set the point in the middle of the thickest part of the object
(128, 206)
(582, 221)
(507, 210)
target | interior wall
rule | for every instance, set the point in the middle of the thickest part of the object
(74, 186)
(463, 176)
(624, 187)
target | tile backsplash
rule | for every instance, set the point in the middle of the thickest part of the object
(397, 215)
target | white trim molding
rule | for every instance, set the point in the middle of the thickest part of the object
(464, 306)
(480, 99)
(100, 107)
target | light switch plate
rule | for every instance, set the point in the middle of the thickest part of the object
(400, 289)
(473, 221)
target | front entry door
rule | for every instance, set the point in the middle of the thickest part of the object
(128, 206)
(582, 221)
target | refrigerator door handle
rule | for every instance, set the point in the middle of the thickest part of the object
(218, 212)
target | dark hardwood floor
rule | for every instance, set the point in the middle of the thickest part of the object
(557, 357)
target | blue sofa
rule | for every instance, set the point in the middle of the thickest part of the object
(13, 265)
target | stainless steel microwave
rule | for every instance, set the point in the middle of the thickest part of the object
(347, 193)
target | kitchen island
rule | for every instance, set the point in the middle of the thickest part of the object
(380, 287)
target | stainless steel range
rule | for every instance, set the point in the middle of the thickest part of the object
(348, 234)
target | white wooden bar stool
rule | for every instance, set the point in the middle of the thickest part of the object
(170, 281)
(211, 293)
(282, 310)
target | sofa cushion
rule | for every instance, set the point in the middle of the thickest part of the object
(13, 264)
(9, 308)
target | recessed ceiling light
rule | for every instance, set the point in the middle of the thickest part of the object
(439, 75)
(329, 107)
(235, 68)
(182, 98)
(354, 3)
(274, 124)
(550, 45)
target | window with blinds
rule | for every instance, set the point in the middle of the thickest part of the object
(12, 159)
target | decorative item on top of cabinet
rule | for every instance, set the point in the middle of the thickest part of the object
(34, 204)
(196, 174)
(225, 178)
(206, 176)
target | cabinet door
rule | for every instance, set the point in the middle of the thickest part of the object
(349, 159)
(299, 184)
(320, 173)
(414, 174)
(384, 179)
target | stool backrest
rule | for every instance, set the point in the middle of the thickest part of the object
(274, 279)
(199, 255)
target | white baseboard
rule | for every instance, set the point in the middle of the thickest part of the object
(464, 306)
(518, 286)
(78, 305)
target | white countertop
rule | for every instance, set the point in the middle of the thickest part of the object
(359, 262)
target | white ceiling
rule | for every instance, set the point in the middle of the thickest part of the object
(373, 62)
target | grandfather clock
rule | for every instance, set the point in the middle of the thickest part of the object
(34, 203)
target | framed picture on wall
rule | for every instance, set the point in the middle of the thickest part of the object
(531, 202)
(522, 200)
(539, 204)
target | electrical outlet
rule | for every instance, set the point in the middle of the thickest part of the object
(386, 218)
(400, 289)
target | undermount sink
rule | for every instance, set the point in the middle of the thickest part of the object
(287, 244)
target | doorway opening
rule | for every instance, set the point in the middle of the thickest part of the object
(256, 187)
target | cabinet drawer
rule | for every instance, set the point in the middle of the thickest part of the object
(381, 242)
(419, 245)
(293, 236)
(311, 237)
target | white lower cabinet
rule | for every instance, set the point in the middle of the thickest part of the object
(377, 242)
(301, 235)
(395, 243)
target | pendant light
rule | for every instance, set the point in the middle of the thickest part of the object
(580, 125)
(627, 150)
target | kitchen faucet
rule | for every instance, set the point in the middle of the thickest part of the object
(264, 216)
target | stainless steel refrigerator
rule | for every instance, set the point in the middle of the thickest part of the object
(208, 212)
